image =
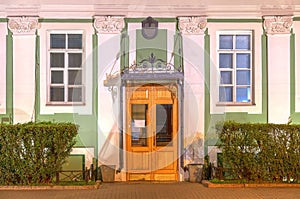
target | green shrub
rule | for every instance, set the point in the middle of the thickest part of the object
(261, 152)
(32, 153)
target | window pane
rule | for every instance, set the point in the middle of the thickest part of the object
(226, 42)
(57, 77)
(243, 94)
(75, 94)
(75, 60)
(75, 41)
(163, 124)
(138, 125)
(226, 77)
(57, 41)
(243, 60)
(225, 94)
(57, 94)
(243, 77)
(75, 77)
(225, 60)
(243, 42)
(57, 60)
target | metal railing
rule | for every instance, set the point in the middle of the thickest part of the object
(76, 175)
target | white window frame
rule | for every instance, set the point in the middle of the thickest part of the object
(65, 69)
(234, 68)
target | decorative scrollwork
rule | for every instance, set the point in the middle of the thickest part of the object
(173, 89)
(151, 64)
(192, 25)
(23, 25)
(114, 92)
(109, 24)
(278, 24)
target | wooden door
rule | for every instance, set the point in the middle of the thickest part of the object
(151, 134)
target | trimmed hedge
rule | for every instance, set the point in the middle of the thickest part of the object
(261, 152)
(32, 153)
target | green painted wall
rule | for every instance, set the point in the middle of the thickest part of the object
(178, 52)
(88, 123)
(88, 128)
(211, 138)
(124, 61)
(157, 46)
(207, 115)
(9, 77)
(295, 116)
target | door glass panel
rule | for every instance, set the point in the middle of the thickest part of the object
(138, 125)
(164, 124)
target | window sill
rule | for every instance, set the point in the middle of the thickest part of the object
(65, 104)
(235, 104)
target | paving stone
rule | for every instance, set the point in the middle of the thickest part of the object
(156, 190)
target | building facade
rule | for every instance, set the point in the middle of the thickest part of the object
(147, 83)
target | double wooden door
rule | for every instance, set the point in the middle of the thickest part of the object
(151, 134)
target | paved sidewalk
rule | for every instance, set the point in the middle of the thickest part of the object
(157, 190)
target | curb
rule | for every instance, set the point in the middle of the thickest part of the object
(208, 184)
(51, 187)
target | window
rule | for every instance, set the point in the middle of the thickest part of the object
(66, 70)
(235, 67)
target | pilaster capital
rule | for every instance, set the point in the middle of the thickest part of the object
(278, 24)
(23, 25)
(192, 25)
(108, 24)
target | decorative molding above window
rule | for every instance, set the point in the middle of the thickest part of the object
(192, 25)
(109, 24)
(278, 24)
(23, 25)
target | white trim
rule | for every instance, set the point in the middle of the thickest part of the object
(213, 28)
(88, 30)
(234, 68)
(65, 70)
(3, 33)
(296, 31)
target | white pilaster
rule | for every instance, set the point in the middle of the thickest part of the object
(278, 30)
(24, 44)
(192, 29)
(109, 29)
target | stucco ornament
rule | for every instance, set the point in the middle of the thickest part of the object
(23, 25)
(192, 25)
(278, 24)
(109, 24)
